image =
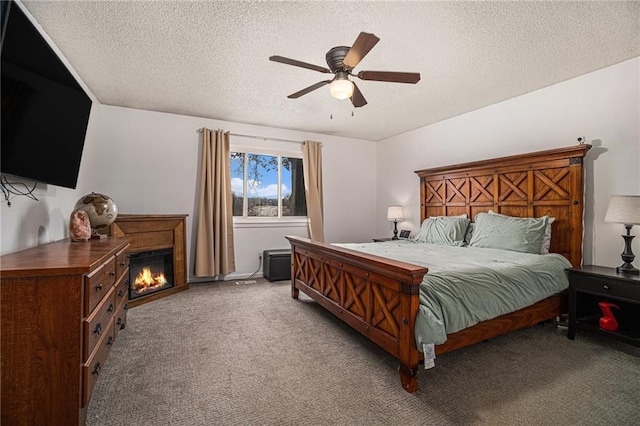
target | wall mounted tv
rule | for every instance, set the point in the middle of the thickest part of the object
(45, 111)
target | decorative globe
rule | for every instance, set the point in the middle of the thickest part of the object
(101, 209)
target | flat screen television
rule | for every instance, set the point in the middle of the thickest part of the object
(45, 112)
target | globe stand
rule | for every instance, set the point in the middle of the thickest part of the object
(95, 235)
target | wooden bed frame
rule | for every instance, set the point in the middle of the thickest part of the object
(379, 297)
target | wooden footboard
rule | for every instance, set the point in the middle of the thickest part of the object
(376, 296)
(379, 297)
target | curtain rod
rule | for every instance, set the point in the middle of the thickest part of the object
(264, 138)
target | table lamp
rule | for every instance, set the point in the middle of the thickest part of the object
(625, 209)
(393, 214)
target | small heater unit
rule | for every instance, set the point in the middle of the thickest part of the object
(277, 264)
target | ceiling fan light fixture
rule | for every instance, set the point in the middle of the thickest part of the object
(341, 87)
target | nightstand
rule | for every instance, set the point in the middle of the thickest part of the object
(379, 240)
(590, 285)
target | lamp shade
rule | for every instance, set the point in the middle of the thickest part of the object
(395, 213)
(624, 209)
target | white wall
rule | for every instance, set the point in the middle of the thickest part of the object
(603, 106)
(154, 160)
(28, 223)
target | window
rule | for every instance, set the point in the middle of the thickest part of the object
(267, 185)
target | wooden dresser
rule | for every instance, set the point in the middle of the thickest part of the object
(63, 304)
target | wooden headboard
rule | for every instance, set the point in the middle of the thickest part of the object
(527, 185)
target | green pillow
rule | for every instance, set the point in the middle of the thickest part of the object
(509, 233)
(443, 230)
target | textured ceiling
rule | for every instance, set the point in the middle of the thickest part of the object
(210, 59)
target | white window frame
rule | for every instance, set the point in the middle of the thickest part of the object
(245, 221)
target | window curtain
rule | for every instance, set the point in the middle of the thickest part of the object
(312, 167)
(214, 253)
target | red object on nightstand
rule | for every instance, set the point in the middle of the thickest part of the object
(608, 321)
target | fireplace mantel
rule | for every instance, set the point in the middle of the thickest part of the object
(152, 232)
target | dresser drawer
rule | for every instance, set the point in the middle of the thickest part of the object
(608, 287)
(120, 319)
(98, 283)
(92, 368)
(122, 297)
(122, 261)
(95, 325)
(122, 289)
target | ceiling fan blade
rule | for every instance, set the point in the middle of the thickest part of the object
(363, 44)
(300, 64)
(357, 99)
(393, 77)
(308, 89)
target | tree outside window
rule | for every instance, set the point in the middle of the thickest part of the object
(266, 185)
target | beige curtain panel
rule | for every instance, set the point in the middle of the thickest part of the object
(312, 166)
(214, 238)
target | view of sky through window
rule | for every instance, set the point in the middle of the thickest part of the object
(265, 184)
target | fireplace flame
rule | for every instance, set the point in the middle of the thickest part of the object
(147, 281)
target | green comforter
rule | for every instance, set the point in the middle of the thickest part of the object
(467, 285)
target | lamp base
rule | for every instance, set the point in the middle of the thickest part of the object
(627, 255)
(628, 269)
(395, 230)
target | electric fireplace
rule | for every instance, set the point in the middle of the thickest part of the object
(155, 233)
(150, 272)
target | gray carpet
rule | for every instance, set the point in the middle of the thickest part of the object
(229, 354)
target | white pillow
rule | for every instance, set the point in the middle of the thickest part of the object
(546, 239)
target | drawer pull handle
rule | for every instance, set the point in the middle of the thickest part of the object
(110, 341)
(112, 273)
(96, 369)
(126, 306)
(98, 329)
(110, 308)
(99, 287)
(121, 263)
(119, 322)
(120, 293)
(606, 287)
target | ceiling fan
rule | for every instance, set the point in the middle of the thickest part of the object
(342, 60)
